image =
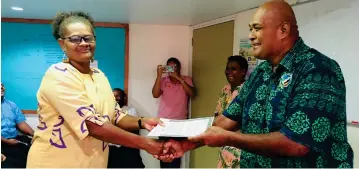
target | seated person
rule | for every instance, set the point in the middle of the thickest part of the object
(130, 157)
(13, 146)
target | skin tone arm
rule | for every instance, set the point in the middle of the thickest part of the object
(179, 148)
(130, 123)
(156, 90)
(24, 127)
(271, 144)
(112, 134)
(9, 141)
(190, 91)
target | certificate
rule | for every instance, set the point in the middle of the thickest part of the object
(181, 128)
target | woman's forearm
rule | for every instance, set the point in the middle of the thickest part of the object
(112, 134)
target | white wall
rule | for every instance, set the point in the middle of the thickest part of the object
(32, 120)
(307, 14)
(151, 45)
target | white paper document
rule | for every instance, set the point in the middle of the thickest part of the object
(181, 128)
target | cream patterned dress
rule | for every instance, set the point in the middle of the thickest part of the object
(66, 98)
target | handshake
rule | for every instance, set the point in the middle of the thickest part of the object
(171, 149)
(168, 150)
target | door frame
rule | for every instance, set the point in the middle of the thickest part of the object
(186, 159)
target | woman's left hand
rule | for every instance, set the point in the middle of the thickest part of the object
(150, 123)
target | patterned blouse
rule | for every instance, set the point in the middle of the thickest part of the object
(228, 156)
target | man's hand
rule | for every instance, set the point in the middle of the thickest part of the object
(155, 147)
(160, 70)
(150, 123)
(213, 137)
(12, 141)
(175, 75)
(174, 150)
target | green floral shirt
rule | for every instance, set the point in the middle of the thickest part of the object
(304, 99)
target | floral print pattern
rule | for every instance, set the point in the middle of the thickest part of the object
(304, 99)
(228, 156)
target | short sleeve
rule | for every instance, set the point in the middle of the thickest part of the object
(235, 109)
(67, 95)
(19, 115)
(119, 114)
(317, 104)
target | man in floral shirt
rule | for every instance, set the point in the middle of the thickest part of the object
(292, 110)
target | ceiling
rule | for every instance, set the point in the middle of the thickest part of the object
(174, 12)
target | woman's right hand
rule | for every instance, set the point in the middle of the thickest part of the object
(175, 150)
(160, 70)
(12, 141)
(155, 147)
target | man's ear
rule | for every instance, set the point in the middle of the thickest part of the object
(284, 30)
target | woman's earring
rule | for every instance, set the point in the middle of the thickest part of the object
(65, 59)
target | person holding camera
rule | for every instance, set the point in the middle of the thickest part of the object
(175, 91)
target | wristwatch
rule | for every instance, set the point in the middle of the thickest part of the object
(140, 123)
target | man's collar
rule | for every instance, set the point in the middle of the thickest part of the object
(299, 47)
(287, 61)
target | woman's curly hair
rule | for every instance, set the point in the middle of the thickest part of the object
(64, 18)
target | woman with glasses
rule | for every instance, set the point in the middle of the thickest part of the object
(78, 114)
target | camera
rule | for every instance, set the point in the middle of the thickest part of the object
(169, 69)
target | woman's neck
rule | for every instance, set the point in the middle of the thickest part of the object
(81, 67)
(234, 86)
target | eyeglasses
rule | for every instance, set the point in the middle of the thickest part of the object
(78, 39)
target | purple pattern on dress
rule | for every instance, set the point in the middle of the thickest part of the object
(64, 70)
(43, 123)
(106, 116)
(117, 115)
(90, 108)
(104, 145)
(61, 122)
(38, 105)
(62, 144)
(83, 129)
(42, 128)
